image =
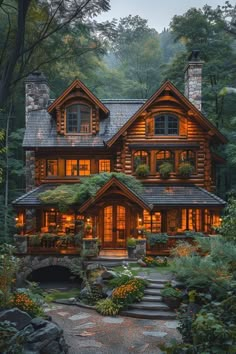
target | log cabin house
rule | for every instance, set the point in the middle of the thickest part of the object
(165, 141)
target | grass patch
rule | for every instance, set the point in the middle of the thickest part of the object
(59, 295)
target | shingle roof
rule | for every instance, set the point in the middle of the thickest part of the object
(160, 195)
(41, 127)
(31, 198)
(190, 195)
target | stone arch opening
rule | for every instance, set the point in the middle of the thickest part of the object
(54, 276)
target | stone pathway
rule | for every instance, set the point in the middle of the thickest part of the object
(87, 332)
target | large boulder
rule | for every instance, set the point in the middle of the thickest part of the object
(20, 318)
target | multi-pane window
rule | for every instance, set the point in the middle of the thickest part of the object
(71, 168)
(166, 124)
(84, 167)
(187, 156)
(164, 156)
(78, 119)
(140, 158)
(77, 167)
(104, 166)
(52, 168)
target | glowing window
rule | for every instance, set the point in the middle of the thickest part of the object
(104, 166)
(84, 167)
(71, 168)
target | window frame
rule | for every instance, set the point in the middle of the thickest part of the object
(78, 168)
(47, 168)
(105, 162)
(141, 163)
(171, 159)
(78, 119)
(192, 160)
(166, 126)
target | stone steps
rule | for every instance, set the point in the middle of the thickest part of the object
(148, 305)
(152, 298)
(154, 292)
(151, 306)
(150, 314)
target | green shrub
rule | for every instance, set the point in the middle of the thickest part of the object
(120, 280)
(10, 338)
(8, 267)
(228, 225)
(94, 295)
(169, 291)
(201, 272)
(107, 307)
(156, 238)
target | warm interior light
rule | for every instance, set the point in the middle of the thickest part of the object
(52, 209)
(16, 219)
(88, 219)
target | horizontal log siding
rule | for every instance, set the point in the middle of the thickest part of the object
(137, 134)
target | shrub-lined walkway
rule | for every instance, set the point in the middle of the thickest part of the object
(87, 332)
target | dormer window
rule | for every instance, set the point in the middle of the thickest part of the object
(166, 124)
(78, 119)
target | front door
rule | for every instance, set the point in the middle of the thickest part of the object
(114, 226)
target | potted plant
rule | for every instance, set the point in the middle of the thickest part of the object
(171, 296)
(165, 169)
(88, 229)
(142, 170)
(131, 247)
(185, 169)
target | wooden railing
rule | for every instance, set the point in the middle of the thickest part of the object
(52, 244)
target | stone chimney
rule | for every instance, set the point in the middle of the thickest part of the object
(193, 79)
(36, 98)
(36, 93)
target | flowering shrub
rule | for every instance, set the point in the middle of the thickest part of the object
(152, 262)
(130, 292)
(23, 302)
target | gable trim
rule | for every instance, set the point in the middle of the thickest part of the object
(85, 89)
(114, 181)
(169, 86)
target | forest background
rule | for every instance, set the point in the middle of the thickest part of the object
(122, 58)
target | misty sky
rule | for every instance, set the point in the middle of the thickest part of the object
(157, 12)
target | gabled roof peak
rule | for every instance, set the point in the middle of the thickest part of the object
(77, 84)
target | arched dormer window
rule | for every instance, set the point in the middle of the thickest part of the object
(166, 124)
(78, 119)
(164, 156)
(140, 158)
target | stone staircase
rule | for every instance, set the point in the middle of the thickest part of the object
(151, 306)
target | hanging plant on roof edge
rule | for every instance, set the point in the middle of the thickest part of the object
(64, 195)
